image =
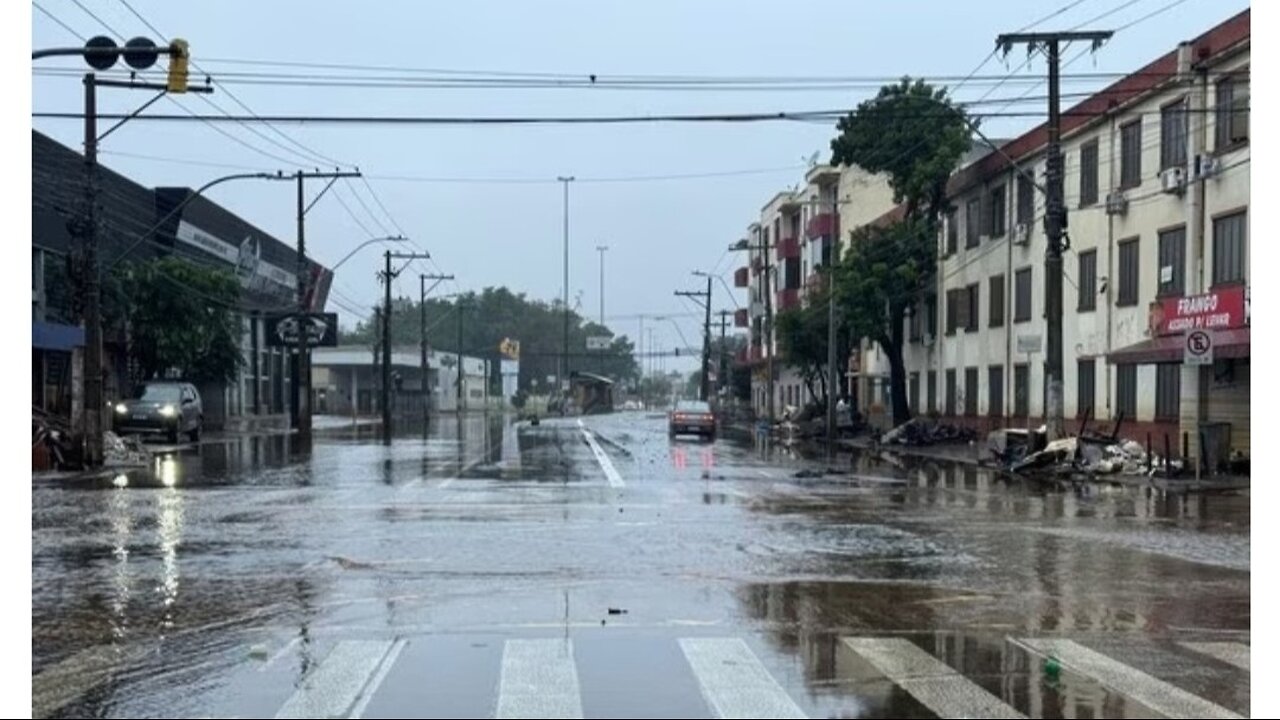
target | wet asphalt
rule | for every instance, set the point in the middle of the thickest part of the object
(601, 569)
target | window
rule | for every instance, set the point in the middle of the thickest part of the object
(953, 311)
(995, 390)
(1087, 281)
(971, 301)
(1127, 390)
(1128, 291)
(971, 391)
(1021, 389)
(951, 393)
(916, 323)
(932, 398)
(1026, 199)
(1173, 135)
(931, 314)
(995, 226)
(1231, 116)
(1168, 390)
(971, 223)
(953, 231)
(1022, 295)
(1089, 173)
(913, 393)
(1131, 154)
(1229, 249)
(1086, 392)
(1172, 265)
(995, 313)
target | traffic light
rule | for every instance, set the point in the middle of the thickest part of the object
(179, 54)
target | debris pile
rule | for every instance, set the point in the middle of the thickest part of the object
(123, 452)
(1092, 453)
(51, 447)
(917, 432)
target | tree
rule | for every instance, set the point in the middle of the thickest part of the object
(182, 319)
(912, 133)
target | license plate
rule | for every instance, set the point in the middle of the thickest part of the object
(139, 417)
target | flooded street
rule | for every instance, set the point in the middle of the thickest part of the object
(600, 569)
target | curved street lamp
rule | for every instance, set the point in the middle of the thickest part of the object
(370, 241)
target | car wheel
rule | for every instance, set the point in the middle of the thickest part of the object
(195, 432)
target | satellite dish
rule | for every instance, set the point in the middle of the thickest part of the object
(101, 60)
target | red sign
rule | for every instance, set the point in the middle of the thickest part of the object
(1217, 310)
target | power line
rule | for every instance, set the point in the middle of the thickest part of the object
(55, 18)
(1150, 15)
(100, 21)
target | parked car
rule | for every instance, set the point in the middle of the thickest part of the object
(692, 417)
(161, 407)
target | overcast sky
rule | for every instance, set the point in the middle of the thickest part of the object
(491, 234)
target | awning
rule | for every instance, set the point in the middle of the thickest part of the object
(1169, 348)
(54, 336)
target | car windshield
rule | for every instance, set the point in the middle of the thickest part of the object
(692, 406)
(158, 393)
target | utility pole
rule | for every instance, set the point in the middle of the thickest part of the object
(764, 248)
(601, 249)
(706, 330)
(302, 372)
(422, 334)
(1055, 215)
(457, 309)
(723, 372)
(387, 276)
(832, 370)
(564, 357)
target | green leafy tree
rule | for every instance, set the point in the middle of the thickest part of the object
(912, 133)
(181, 317)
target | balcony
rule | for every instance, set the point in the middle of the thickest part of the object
(821, 225)
(788, 299)
(741, 318)
(741, 277)
(788, 248)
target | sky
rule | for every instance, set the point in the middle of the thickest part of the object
(658, 229)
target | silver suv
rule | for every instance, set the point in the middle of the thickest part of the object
(161, 406)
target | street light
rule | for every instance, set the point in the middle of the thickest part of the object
(366, 243)
(564, 358)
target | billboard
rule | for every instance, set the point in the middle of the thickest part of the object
(282, 330)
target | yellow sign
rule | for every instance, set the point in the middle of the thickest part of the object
(509, 348)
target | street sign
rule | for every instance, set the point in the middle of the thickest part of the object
(599, 342)
(1215, 310)
(509, 348)
(1198, 348)
(1028, 344)
(322, 330)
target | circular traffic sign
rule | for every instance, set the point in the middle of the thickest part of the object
(1198, 342)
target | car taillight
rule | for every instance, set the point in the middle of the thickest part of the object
(679, 416)
(708, 417)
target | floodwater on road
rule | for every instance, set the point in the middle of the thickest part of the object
(597, 568)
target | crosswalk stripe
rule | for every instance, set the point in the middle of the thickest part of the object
(539, 680)
(1152, 692)
(1228, 652)
(734, 682)
(335, 686)
(932, 682)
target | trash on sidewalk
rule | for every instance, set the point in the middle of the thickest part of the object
(123, 451)
(50, 441)
(919, 432)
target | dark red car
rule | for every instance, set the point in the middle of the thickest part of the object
(693, 417)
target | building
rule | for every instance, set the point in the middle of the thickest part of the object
(1157, 189)
(348, 381)
(799, 232)
(140, 224)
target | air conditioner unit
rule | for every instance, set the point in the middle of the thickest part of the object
(1207, 166)
(1021, 234)
(1117, 203)
(1173, 180)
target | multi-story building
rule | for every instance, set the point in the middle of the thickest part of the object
(799, 233)
(1157, 190)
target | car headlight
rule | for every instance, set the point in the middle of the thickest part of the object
(168, 411)
(121, 408)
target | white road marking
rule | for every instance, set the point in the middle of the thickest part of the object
(934, 683)
(764, 473)
(335, 686)
(358, 711)
(1154, 693)
(734, 682)
(1228, 652)
(610, 472)
(539, 680)
(289, 646)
